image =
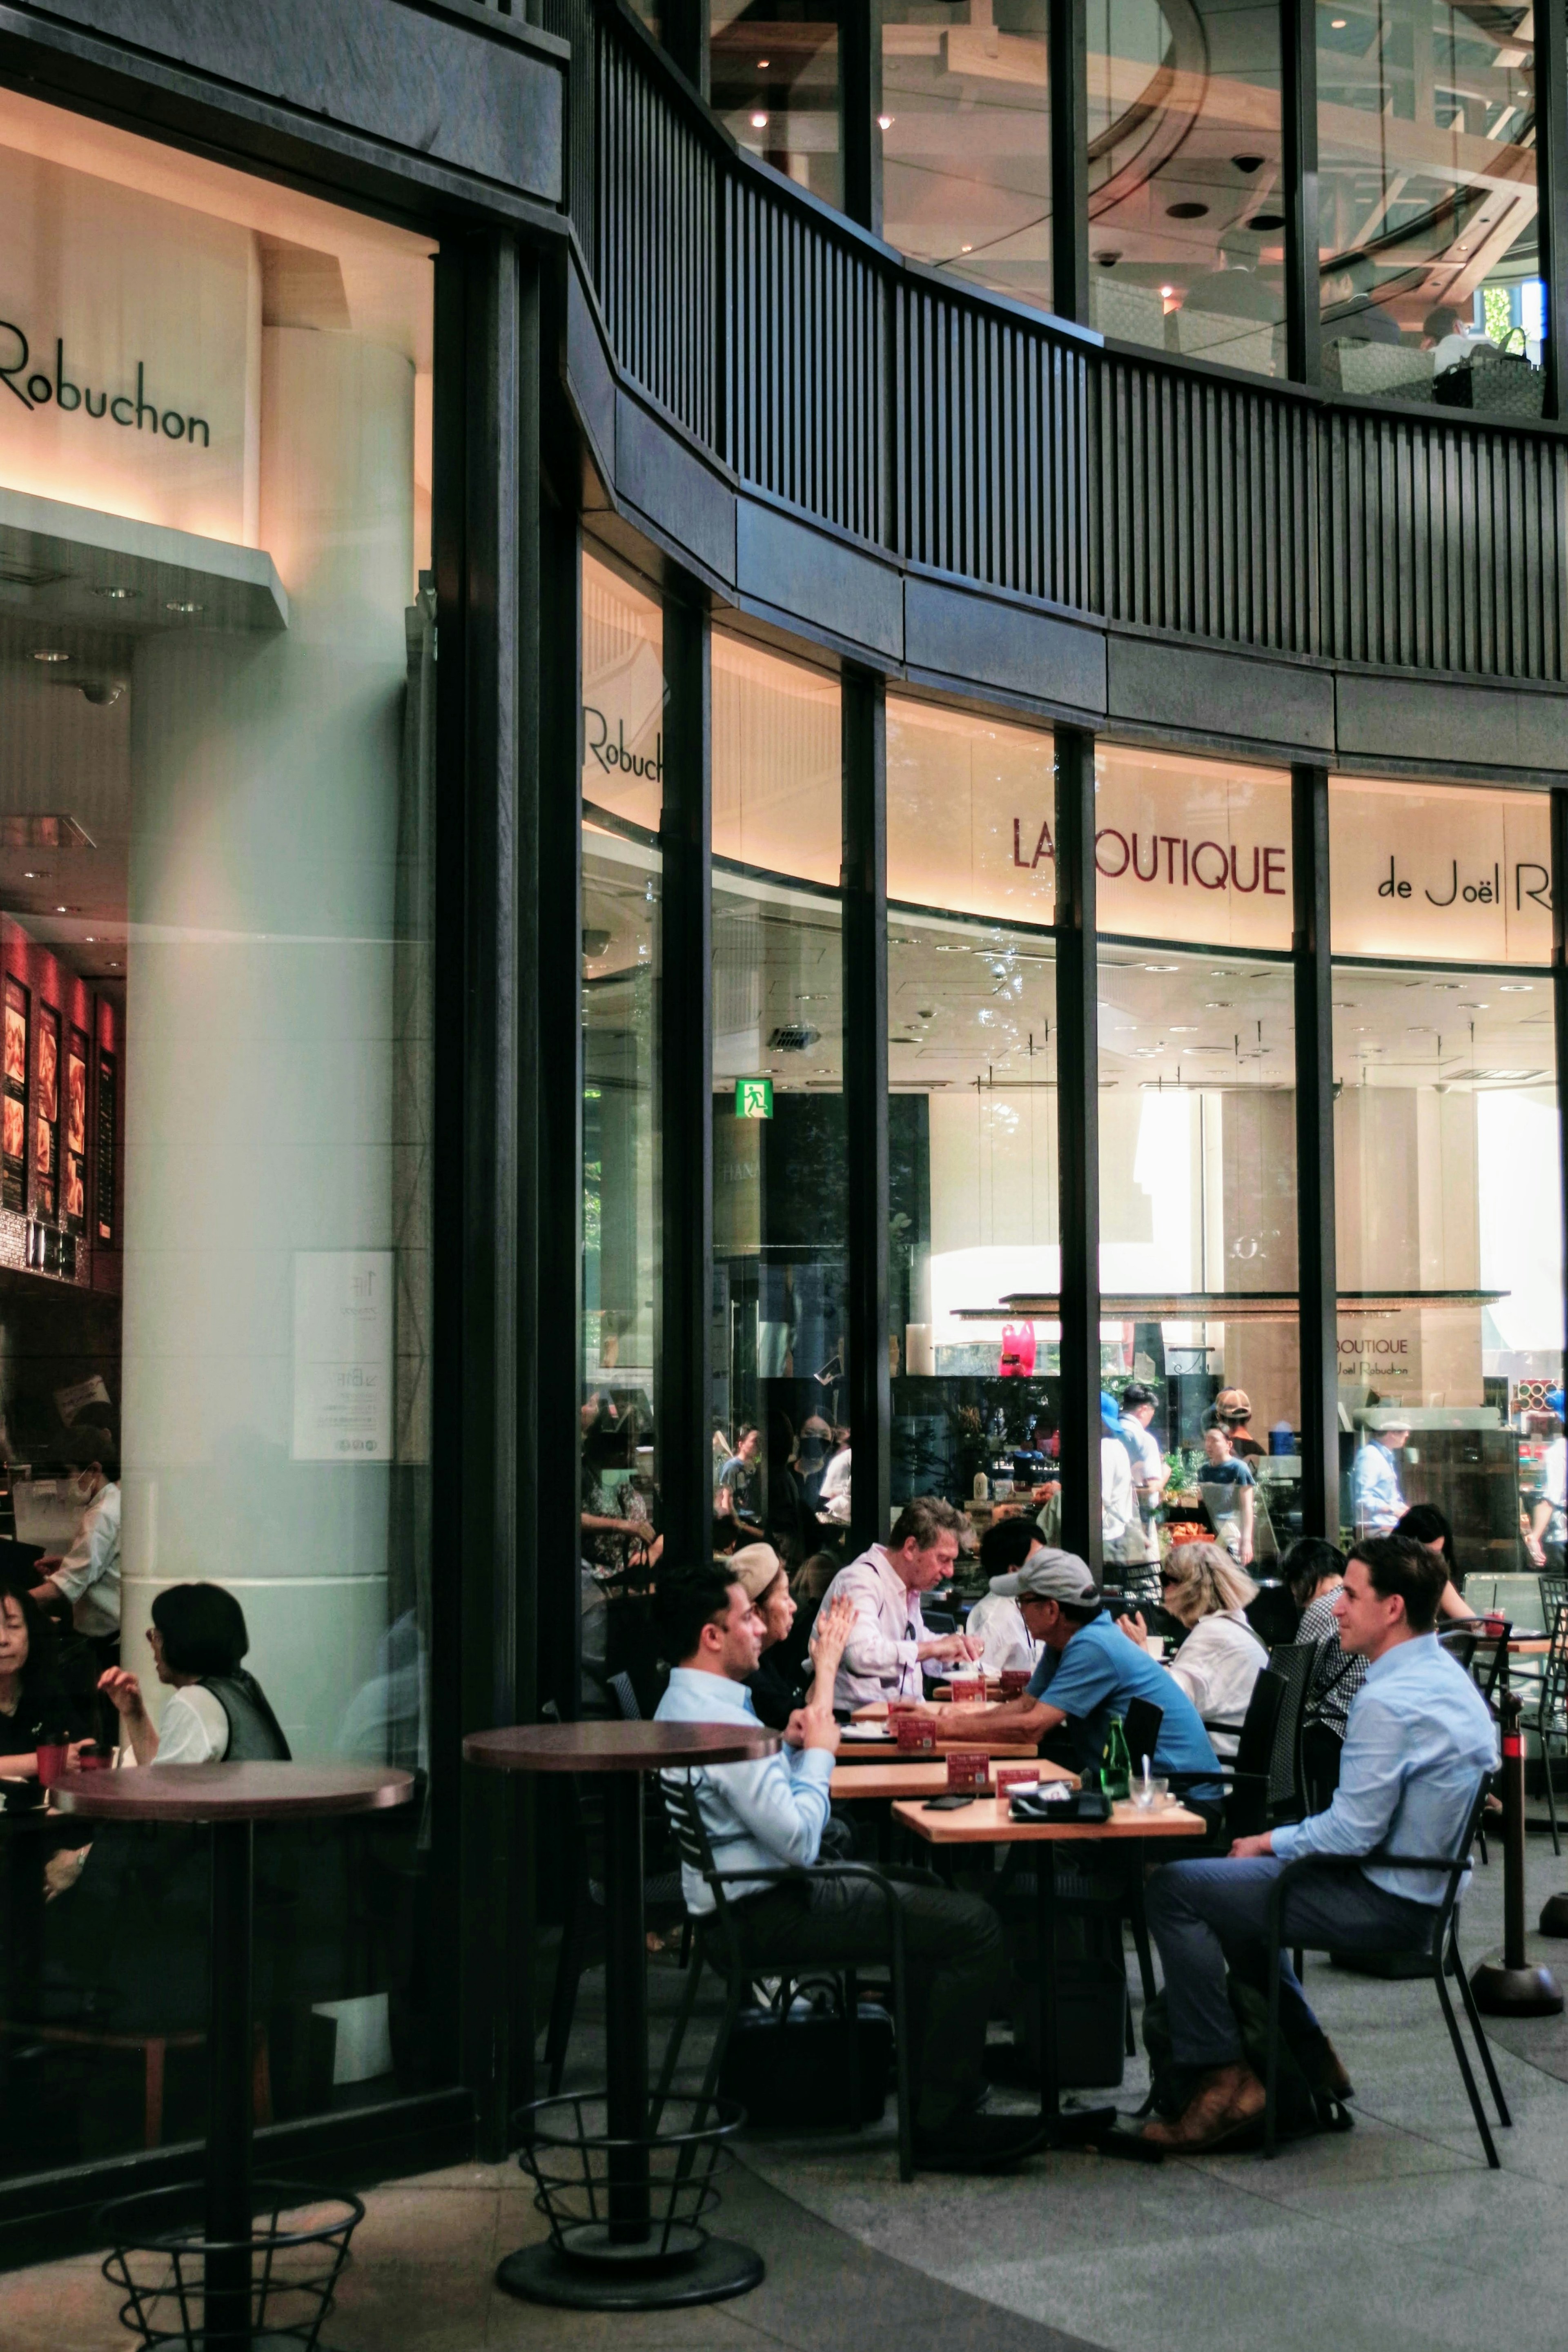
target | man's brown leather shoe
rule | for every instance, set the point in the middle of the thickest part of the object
(1225, 2102)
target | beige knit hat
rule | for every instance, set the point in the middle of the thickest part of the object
(753, 1568)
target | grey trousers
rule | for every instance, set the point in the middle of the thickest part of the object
(1205, 1915)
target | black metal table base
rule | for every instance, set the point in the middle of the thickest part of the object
(720, 2269)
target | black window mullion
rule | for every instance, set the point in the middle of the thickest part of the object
(1317, 1271)
(1077, 1141)
(685, 1087)
(865, 951)
(1552, 161)
(1068, 91)
(1299, 124)
(860, 102)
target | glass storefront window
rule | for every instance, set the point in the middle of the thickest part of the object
(1188, 848)
(1198, 1253)
(974, 1256)
(774, 69)
(1450, 1253)
(780, 1199)
(1429, 262)
(623, 767)
(966, 150)
(217, 688)
(1187, 210)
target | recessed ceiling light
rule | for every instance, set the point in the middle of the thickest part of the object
(177, 607)
(966, 248)
(885, 121)
(51, 657)
(1161, 967)
(1517, 988)
(31, 876)
(92, 938)
(1218, 1005)
(62, 910)
(762, 64)
(1183, 1028)
(114, 967)
(1166, 292)
(1336, 24)
(117, 595)
(759, 122)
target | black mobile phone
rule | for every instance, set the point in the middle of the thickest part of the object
(948, 1804)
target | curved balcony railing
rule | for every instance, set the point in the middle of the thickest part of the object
(950, 429)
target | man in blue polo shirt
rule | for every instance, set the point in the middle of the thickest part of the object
(1088, 1672)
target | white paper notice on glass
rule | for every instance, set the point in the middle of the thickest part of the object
(342, 1355)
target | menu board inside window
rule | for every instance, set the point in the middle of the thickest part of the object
(75, 1133)
(13, 1101)
(46, 1116)
(106, 1117)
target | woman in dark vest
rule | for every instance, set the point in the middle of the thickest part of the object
(218, 1713)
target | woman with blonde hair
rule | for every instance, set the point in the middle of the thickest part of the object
(1222, 1657)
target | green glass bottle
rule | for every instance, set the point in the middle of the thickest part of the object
(1115, 1764)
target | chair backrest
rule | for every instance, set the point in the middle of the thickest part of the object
(1552, 1710)
(626, 1699)
(1142, 1725)
(690, 1830)
(1553, 1585)
(1460, 1644)
(1255, 1740)
(1295, 1663)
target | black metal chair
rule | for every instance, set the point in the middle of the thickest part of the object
(1444, 1957)
(1551, 1709)
(722, 1947)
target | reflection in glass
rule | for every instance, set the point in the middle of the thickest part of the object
(1450, 1257)
(623, 695)
(975, 1241)
(1186, 207)
(966, 154)
(1429, 260)
(781, 1447)
(1198, 1241)
(971, 813)
(217, 1149)
(775, 85)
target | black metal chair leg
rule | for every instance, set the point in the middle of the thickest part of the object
(684, 1941)
(1550, 1794)
(1452, 2022)
(1271, 2065)
(563, 1997)
(677, 2042)
(1479, 2032)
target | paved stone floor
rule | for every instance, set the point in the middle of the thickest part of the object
(1392, 2238)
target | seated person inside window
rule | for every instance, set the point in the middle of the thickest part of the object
(218, 1713)
(770, 1813)
(34, 1704)
(995, 1621)
(1351, 312)
(1088, 1672)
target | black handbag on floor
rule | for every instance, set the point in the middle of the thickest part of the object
(792, 2067)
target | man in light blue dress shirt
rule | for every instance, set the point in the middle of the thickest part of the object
(771, 1814)
(1418, 1744)
(1377, 1503)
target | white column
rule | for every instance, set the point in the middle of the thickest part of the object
(259, 1035)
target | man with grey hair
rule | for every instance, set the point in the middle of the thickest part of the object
(883, 1656)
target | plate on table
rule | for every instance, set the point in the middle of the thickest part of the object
(878, 1733)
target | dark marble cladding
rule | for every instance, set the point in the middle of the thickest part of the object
(990, 642)
(442, 88)
(1392, 720)
(1192, 688)
(821, 580)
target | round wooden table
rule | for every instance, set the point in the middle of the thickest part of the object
(624, 1751)
(229, 1800)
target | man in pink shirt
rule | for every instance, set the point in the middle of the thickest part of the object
(884, 1653)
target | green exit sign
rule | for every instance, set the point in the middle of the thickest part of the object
(753, 1098)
